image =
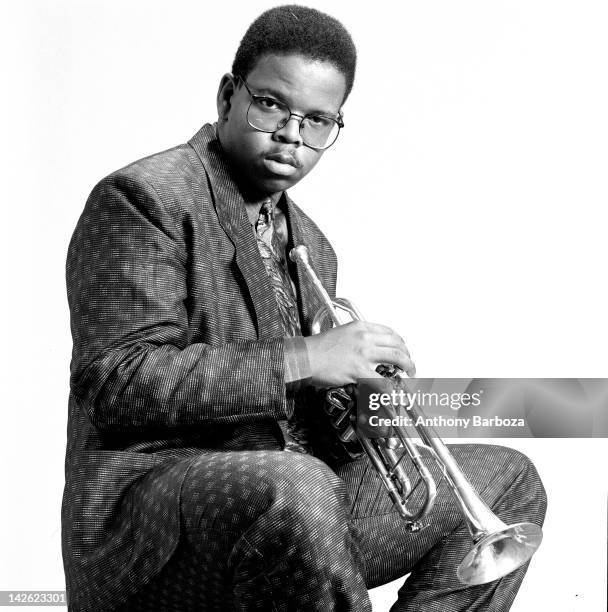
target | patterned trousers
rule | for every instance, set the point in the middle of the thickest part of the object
(281, 531)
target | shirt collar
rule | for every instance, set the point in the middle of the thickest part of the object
(253, 209)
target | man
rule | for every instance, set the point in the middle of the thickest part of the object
(200, 473)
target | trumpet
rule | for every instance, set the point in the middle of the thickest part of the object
(498, 549)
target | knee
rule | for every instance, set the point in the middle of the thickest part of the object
(230, 493)
(526, 491)
(305, 488)
(283, 487)
(307, 517)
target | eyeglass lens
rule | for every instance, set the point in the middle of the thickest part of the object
(269, 115)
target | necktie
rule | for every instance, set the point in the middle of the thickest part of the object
(276, 268)
(272, 253)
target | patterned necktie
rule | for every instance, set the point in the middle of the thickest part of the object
(272, 253)
(276, 268)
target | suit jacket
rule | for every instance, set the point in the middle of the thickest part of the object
(178, 350)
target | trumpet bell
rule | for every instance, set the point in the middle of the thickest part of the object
(500, 553)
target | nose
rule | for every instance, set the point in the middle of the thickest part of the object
(290, 132)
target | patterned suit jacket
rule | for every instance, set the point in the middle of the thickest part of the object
(178, 350)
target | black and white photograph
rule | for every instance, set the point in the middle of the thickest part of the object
(306, 306)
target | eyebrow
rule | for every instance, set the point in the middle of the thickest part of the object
(263, 91)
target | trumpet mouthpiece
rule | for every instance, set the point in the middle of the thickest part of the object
(299, 253)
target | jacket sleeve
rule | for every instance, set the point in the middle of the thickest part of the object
(133, 364)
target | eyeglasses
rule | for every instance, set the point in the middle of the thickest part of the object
(267, 114)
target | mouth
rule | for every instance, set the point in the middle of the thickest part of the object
(282, 157)
(282, 164)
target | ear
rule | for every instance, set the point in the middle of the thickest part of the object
(225, 92)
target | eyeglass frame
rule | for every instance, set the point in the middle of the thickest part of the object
(339, 122)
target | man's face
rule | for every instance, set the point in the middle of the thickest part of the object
(272, 162)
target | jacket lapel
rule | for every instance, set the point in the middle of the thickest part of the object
(230, 208)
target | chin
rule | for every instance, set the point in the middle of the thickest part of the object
(276, 184)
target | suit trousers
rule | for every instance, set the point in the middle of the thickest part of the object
(282, 531)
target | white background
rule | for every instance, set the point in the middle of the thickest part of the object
(466, 200)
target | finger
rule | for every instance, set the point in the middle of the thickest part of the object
(392, 356)
(382, 335)
(391, 340)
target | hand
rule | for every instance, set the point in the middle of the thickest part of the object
(342, 354)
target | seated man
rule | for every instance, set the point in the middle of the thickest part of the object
(200, 473)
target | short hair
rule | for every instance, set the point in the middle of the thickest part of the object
(302, 31)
